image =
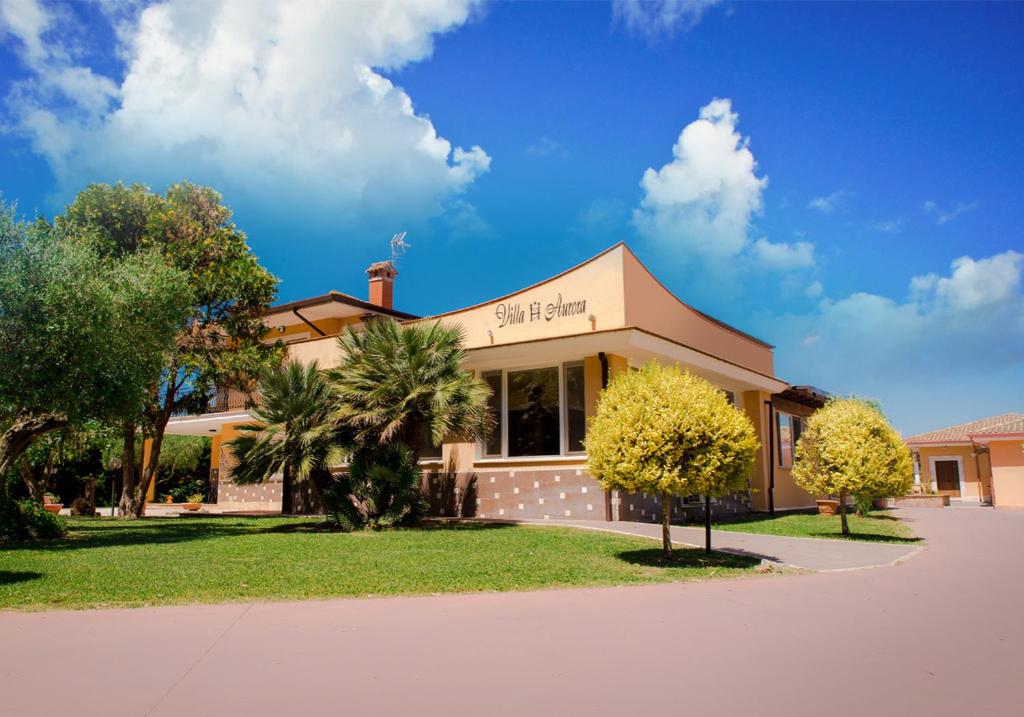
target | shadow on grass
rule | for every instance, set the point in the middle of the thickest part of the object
(10, 577)
(864, 537)
(103, 533)
(110, 532)
(688, 558)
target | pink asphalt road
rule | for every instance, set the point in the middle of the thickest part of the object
(940, 634)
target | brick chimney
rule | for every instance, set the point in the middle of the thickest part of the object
(382, 283)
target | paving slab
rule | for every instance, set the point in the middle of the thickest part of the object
(937, 635)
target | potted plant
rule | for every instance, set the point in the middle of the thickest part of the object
(50, 503)
(194, 502)
(827, 506)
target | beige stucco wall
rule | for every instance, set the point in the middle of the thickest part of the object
(972, 488)
(788, 495)
(1008, 473)
(593, 289)
(652, 307)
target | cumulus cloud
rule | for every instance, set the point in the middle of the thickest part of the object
(272, 100)
(657, 19)
(783, 255)
(946, 215)
(702, 202)
(948, 327)
(830, 202)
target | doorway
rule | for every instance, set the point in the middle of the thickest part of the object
(947, 476)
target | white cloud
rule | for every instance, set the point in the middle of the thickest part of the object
(702, 202)
(949, 327)
(973, 284)
(656, 19)
(830, 202)
(783, 255)
(280, 102)
(944, 216)
(814, 289)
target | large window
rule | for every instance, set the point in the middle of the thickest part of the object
(533, 412)
(787, 432)
(493, 445)
(575, 408)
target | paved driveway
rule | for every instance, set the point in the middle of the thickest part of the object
(816, 554)
(940, 634)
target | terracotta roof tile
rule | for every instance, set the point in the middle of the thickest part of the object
(1006, 423)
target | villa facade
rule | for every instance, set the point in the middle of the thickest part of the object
(981, 461)
(546, 352)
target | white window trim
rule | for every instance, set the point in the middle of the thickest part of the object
(563, 428)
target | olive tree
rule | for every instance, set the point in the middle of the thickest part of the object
(848, 448)
(219, 342)
(665, 431)
(81, 335)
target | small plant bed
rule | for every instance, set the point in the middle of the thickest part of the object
(876, 526)
(107, 562)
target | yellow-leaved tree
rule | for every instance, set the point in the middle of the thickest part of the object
(664, 431)
(849, 448)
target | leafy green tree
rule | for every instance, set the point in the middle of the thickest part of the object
(380, 489)
(849, 448)
(664, 431)
(219, 343)
(407, 383)
(82, 335)
(293, 433)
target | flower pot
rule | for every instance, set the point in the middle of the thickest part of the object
(828, 507)
(191, 506)
(53, 507)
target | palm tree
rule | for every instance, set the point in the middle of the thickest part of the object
(407, 383)
(293, 433)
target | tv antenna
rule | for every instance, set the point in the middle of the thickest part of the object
(398, 246)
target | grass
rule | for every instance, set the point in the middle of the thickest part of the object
(159, 561)
(875, 526)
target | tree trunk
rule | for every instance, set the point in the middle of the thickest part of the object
(842, 512)
(707, 524)
(666, 525)
(287, 490)
(36, 486)
(20, 434)
(149, 468)
(128, 478)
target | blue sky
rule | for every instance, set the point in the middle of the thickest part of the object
(841, 180)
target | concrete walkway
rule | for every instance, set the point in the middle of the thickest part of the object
(939, 635)
(807, 553)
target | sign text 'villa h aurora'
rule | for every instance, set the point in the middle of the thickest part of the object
(509, 314)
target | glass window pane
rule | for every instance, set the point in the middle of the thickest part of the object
(575, 408)
(798, 427)
(785, 436)
(533, 422)
(493, 445)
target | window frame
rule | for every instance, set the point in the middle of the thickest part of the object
(563, 409)
(794, 436)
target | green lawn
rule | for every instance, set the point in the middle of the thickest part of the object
(874, 527)
(108, 562)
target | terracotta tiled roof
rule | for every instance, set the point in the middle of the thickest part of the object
(1006, 423)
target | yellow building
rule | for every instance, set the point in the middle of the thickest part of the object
(981, 461)
(546, 351)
